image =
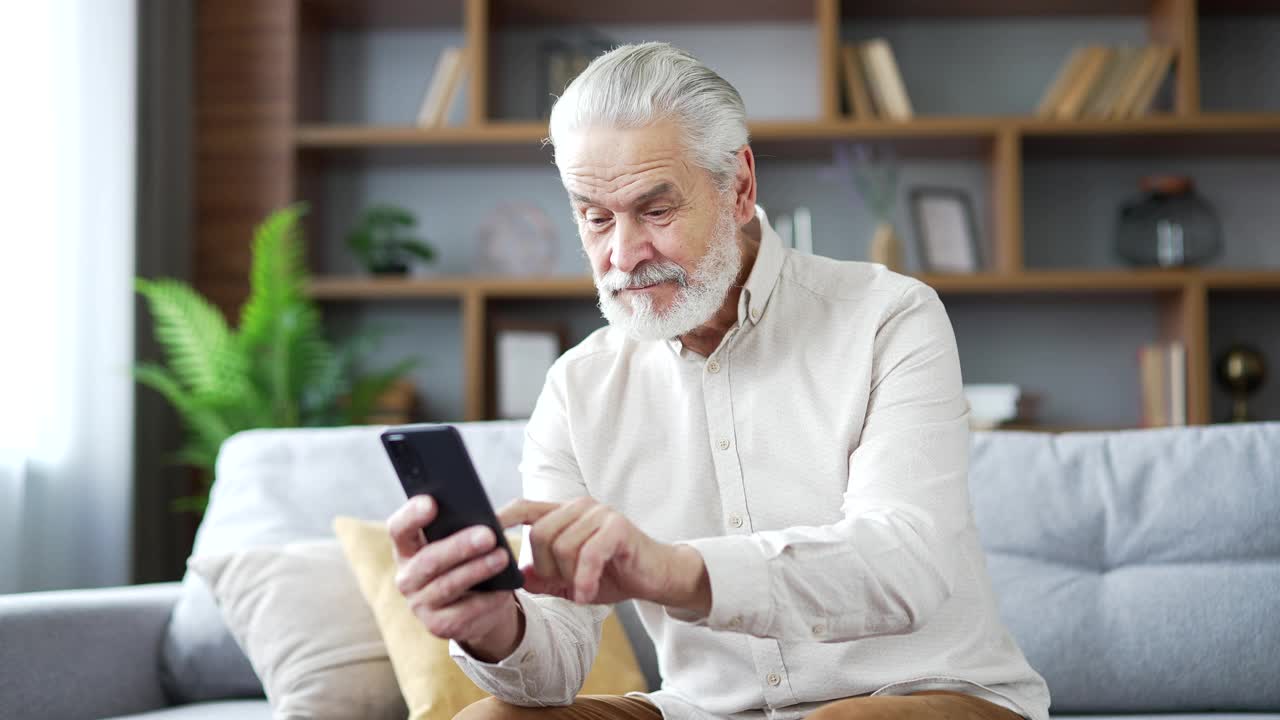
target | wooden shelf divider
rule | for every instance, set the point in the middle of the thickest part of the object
(1006, 201)
(1173, 23)
(476, 28)
(1185, 318)
(827, 20)
(475, 360)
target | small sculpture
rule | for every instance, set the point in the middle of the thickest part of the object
(1241, 371)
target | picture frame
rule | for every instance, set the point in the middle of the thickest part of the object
(946, 230)
(522, 352)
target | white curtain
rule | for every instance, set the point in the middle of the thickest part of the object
(67, 129)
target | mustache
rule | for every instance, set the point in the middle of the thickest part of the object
(648, 274)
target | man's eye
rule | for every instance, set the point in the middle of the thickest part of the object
(598, 221)
(657, 214)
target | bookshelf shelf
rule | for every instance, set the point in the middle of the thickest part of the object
(974, 129)
(455, 287)
(1073, 282)
(355, 136)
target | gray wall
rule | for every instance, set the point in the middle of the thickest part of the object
(1085, 370)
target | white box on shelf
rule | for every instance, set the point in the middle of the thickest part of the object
(991, 404)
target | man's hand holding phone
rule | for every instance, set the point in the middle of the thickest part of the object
(435, 578)
(582, 550)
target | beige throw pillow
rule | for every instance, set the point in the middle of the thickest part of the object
(298, 614)
(434, 687)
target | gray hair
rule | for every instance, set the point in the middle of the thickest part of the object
(637, 85)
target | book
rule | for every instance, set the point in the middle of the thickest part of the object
(1151, 85)
(803, 229)
(886, 81)
(1115, 78)
(1154, 387)
(1142, 67)
(1177, 356)
(444, 81)
(1099, 88)
(1066, 75)
(1077, 93)
(1163, 379)
(855, 84)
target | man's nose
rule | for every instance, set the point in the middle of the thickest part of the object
(629, 246)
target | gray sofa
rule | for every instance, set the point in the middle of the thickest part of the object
(1139, 572)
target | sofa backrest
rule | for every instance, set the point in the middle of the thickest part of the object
(1138, 570)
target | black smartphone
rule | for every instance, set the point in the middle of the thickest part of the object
(432, 460)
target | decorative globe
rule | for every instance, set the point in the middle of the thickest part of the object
(518, 239)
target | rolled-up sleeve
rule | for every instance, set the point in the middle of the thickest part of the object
(561, 638)
(892, 560)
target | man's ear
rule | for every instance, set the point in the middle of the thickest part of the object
(744, 187)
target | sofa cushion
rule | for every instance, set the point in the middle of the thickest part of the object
(434, 687)
(298, 613)
(218, 710)
(280, 486)
(1138, 570)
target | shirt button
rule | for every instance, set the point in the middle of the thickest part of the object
(755, 313)
(713, 367)
(819, 629)
(735, 520)
(735, 622)
(773, 679)
(724, 444)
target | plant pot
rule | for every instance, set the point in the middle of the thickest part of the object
(886, 248)
(392, 267)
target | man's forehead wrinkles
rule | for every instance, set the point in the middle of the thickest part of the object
(612, 174)
(658, 190)
(645, 190)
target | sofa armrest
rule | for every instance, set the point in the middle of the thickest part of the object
(83, 653)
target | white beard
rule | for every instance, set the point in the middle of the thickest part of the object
(697, 300)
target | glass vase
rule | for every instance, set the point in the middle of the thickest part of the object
(1170, 225)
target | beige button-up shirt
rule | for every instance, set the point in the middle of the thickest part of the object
(818, 461)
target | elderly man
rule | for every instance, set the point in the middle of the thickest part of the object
(766, 450)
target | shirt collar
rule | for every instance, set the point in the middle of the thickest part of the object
(764, 273)
(760, 282)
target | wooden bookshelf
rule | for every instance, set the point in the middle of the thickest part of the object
(262, 142)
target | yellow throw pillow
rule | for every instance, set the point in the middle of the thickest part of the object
(434, 687)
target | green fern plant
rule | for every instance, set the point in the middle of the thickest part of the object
(276, 370)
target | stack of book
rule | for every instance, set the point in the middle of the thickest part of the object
(1106, 83)
(1162, 368)
(873, 84)
(445, 82)
(993, 405)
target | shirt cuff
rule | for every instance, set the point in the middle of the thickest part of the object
(741, 600)
(514, 668)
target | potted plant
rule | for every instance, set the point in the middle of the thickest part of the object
(872, 172)
(381, 240)
(277, 369)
